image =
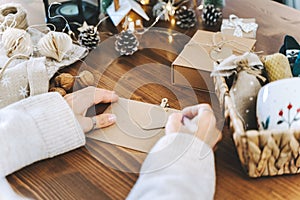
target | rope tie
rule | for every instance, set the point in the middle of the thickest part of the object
(13, 15)
(243, 65)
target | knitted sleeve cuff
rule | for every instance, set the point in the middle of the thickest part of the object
(174, 148)
(56, 122)
(186, 144)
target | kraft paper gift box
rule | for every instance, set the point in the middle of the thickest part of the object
(239, 27)
(139, 125)
(193, 66)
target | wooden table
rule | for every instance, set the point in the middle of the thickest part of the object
(104, 171)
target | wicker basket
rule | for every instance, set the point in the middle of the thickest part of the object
(262, 153)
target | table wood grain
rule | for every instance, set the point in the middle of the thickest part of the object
(104, 171)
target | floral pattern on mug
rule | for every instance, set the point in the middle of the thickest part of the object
(289, 120)
(265, 124)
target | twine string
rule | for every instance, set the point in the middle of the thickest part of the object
(18, 56)
(243, 65)
(153, 24)
(12, 16)
(67, 26)
(217, 46)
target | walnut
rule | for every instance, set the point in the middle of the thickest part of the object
(59, 90)
(86, 78)
(64, 80)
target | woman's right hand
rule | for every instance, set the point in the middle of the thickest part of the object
(201, 123)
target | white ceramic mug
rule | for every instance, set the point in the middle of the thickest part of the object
(278, 105)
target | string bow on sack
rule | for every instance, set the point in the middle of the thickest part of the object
(248, 62)
(248, 79)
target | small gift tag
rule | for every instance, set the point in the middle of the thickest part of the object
(219, 54)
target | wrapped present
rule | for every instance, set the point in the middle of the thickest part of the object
(239, 27)
(193, 65)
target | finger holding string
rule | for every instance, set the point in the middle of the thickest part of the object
(202, 119)
(198, 120)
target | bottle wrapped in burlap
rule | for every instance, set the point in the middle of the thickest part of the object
(248, 79)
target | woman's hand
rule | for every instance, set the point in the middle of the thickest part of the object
(198, 120)
(81, 100)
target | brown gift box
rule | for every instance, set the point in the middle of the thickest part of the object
(193, 65)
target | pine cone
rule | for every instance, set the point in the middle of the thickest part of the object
(211, 15)
(126, 43)
(89, 37)
(185, 17)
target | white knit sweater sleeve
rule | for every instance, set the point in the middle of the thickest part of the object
(179, 166)
(36, 128)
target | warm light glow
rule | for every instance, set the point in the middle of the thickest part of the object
(130, 19)
(145, 2)
(173, 21)
(170, 38)
(131, 26)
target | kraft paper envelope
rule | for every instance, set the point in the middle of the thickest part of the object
(139, 125)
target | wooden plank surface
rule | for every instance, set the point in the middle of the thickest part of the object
(104, 171)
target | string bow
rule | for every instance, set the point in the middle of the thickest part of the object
(248, 62)
(239, 25)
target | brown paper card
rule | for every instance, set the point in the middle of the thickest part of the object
(193, 65)
(139, 125)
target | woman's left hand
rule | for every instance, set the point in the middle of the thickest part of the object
(81, 100)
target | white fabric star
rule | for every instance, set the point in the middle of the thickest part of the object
(5, 81)
(23, 91)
